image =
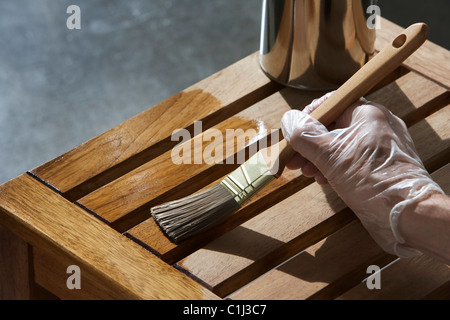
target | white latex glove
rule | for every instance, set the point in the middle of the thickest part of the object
(369, 159)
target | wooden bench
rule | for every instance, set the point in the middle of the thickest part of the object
(294, 240)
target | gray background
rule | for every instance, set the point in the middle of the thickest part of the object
(60, 87)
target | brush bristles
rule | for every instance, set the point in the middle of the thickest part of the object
(185, 217)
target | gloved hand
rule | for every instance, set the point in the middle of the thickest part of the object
(369, 159)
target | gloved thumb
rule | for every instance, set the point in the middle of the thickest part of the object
(305, 134)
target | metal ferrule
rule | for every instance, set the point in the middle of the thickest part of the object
(246, 180)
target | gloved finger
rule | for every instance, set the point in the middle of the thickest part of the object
(309, 170)
(296, 162)
(316, 103)
(320, 178)
(305, 134)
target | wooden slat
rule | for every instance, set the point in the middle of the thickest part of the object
(313, 269)
(433, 133)
(408, 102)
(52, 224)
(405, 100)
(429, 60)
(406, 279)
(147, 135)
(339, 262)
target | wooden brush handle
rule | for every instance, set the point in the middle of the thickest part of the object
(385, 62)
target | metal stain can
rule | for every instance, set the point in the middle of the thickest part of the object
(315, 44)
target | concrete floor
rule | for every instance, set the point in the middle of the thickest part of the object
(60, 87)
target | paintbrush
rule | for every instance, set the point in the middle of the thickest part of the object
(185, 217)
